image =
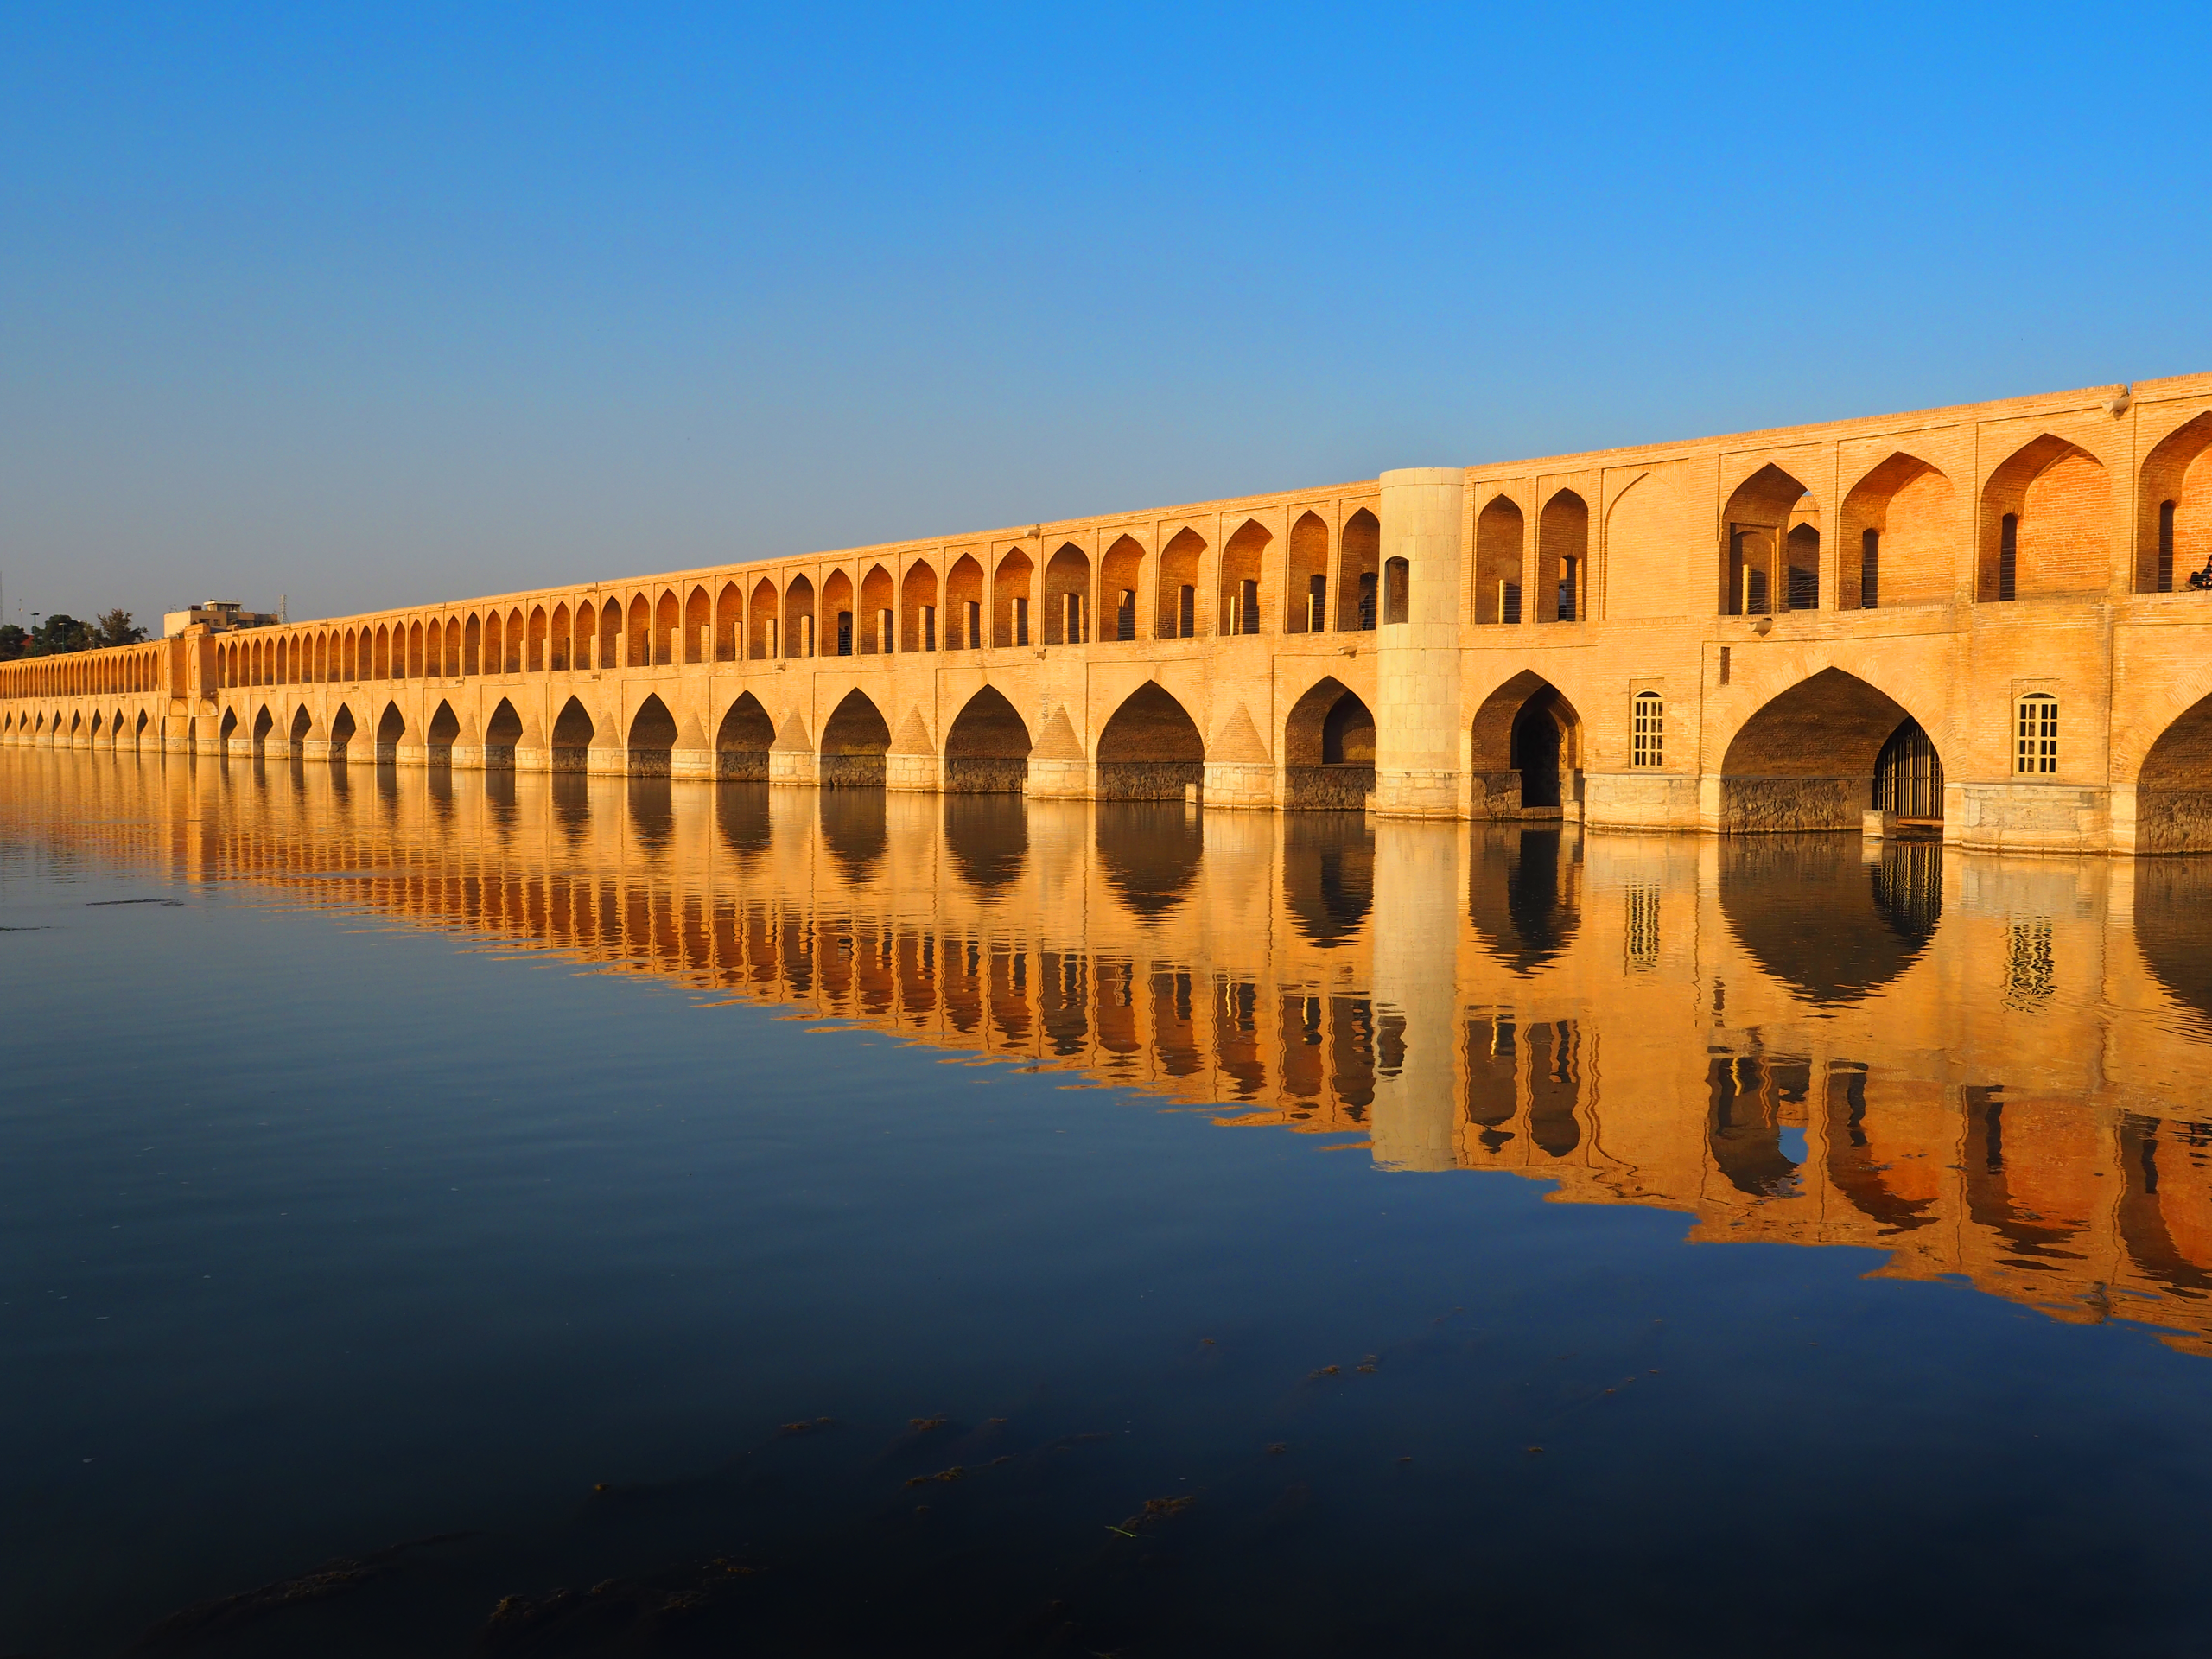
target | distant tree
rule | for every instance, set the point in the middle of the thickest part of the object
(61, 633)
(13, 640)
(114, 628)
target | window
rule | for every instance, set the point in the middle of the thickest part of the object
(1187, 611)
(1367, 602)
(1648, 743)
(1397, 597)
(1508, 602)
(1804, 589)
(1754, 592)
(1020, 620)
(2166, 547)
(2037, 728)
(1870, 570)
(844, 633)
(1317, 604)
(1568, 581)
(2008, 556)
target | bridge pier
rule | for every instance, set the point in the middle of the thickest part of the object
(1419, 746)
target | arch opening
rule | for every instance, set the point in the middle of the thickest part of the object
(1243, 605)
(987, 747)
(1176, 611)
(1825, 925)
(1150, 749)
(742, 741)
(1525, 759)
(1010, 584)
(1562, 558)
(1807, 759)
(445, 728)
(2173, 790)
(963, 605)
(502, 734)
(854, 739)
(1305, 608)
(390, 727)
(573, 732)
(1897, 528)
(1770, 546)
(2046, 523)
(1328, 750)
(652, 735)
(2173, 511)
(1067, 596)
(1500, 533)
(1908, 779)
(1524, 894)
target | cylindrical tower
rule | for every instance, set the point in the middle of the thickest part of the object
(1418, 741)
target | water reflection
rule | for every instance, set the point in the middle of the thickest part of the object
(1986, 1067)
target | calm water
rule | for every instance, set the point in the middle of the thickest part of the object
(473, 1213)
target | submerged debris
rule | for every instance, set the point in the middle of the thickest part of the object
(1155, 1510)
(226, 1613)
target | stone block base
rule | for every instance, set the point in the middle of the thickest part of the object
(1147, 780)
(850, 771)
(1346, 788)
(1639, 800)
(916, 773)
(794, 767)
(985, 775)
(1232, 782)
(2029, 817)
(1416, 792)
(1066, 780)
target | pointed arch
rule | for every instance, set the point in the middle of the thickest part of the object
(1898, 536)
(668, 617)
(878, 628)
(1305, 608)
(341, 732)
(638, 641)
(854, 739)
(1243, 600)
(610, 632)
(515, 627)
(697, 644)
(743, 740)
(729, 622)
(799, 618)
(414, 651)
(1328, 749)
(1526, 750)
(587, 636)
(839, 624)
(1756, 552)
(1501, 533)
(495, 643)
(652, 735)
(1067, 596)
(2046, 523)
(1807, 758)
(1012, 581)
(964, 628)
(762, 622)
(2173, 508)
(987, 747)
(917, 608)
(573, 732)
(1150, 748)
(2173, 789)
(557, 646)
(1359, 573)
(1120, 582)
(392, 726)
(1562, 558)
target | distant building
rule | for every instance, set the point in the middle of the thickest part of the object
(220, 616)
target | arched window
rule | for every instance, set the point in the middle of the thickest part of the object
(1648, 745)
(2166, 547)
(1870, 570)
(2035, 727)
(2008, 554)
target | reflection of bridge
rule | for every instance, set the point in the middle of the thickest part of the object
(1966, 614)
(1961, 1059)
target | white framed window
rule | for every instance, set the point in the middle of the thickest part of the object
(2036, 735)
(1647, 728)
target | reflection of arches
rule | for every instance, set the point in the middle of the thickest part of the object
(2173, 791)
(2145, 1227)
(1328, 876)
(1748, 1096)
(1526, 750)
(1755, 550)
(573, 732)
(986, 748)
(2173, 509)
(1328, 749)
(652, 735)
(1148, 852)
(1871, 1164)
(2046, 523)
(1806, 760)
(1896, 533)
(1823, 925)
(988, 838)
(2172, 898)
(1524, 895)
(748, 829)
(1151, 749)
(854, 828)
(854, 739)
(743, 740)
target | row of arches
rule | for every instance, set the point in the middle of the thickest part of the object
(66, 725)
(121, 670)
(1184, 592)
(2043, 524)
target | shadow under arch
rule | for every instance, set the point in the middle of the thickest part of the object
(987, 837)
(653, 736)
(1823, 922)
(1148, 852)
(743, 740)
(987, 747)
(1150, 749)
(1524, 894)
(1328, 749)
(854, 739)
(2173, 790)
(445, 726)
(1807, 759)
(1526, 750)
(2173, 912)
(341, 732)
(390, 729)
(573, 731)
(1328, 875)
(502, 734)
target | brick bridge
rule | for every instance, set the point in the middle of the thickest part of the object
(1976, 617)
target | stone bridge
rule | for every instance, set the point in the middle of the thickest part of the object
(1976, 619)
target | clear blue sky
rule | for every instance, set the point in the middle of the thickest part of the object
(380, 305)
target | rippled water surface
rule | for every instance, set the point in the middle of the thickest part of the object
(470, 1213)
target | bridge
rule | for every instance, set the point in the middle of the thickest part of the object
(1972, 621)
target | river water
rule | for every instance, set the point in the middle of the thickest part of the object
(479, 1213)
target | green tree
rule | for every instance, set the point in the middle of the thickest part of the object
(114, 628)
(61, 633)
(13, 640)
